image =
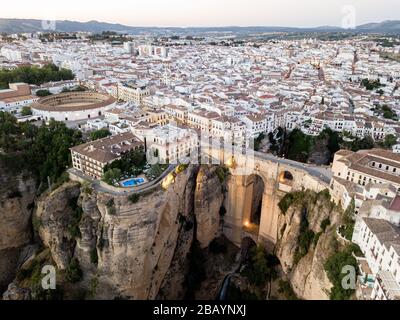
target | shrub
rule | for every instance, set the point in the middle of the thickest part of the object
(94, 282)
(260, 267)
(305, 239)
(94, 258)
(286, 290)
(325, 224)
(237, 294)
(222, 172)
(73, 273)
(43, 93)
(14, 194)
(134, 198)
(36, 223)
(26, 111)
(216, 247)
(325, 194)
(73, 228)
(347, 231)
(87, 189)
(286, 202)
(111, 207)
(334, 266)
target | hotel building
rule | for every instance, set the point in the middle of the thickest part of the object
(91, 158)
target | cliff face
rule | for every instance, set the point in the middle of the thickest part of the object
(55, 218)
(307, 214)
(130, 247)
(209, 198)
(17, 194)
(137, 247)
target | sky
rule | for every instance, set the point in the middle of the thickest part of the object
(184, 13)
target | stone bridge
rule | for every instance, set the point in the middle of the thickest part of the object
(257, 183)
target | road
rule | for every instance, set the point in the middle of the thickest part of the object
(321, 172)
(123, 191)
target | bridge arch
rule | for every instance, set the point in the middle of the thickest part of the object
(254, 197)
(286, 177)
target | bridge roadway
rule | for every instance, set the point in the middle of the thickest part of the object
(323, 173)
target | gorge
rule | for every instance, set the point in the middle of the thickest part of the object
(122, 247)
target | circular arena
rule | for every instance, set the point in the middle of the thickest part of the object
(73, 106)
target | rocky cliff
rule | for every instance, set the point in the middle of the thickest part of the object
(138, 246)
(17, 193)
(129, 246)
(307, 240)
(209, 198)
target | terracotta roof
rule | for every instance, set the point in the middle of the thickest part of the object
(110, 148)
(395, 205)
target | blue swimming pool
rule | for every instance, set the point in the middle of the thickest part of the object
(133, 182)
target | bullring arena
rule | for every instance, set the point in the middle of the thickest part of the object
(73, 106)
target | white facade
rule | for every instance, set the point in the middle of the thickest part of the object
(380, 242)
(169, 143)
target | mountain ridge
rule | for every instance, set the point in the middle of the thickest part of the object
(34, 25)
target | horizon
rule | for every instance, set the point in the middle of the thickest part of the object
(208, 26)
(210, 13)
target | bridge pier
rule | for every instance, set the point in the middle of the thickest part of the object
(239, 206)
(268, 232)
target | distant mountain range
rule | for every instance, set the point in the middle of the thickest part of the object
(31, 25)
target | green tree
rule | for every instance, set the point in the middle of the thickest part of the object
(131, 163)
(26, 111)
(348, 216)
(99, 134)
(298, 146)
(365, 143)
(390, 141)
(34, 75)
(260, 267)
(43, 93)
(43, 151)
(334, 267)
(112, 175)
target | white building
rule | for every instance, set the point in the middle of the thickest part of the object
(169, 143)
(353, 171)
(379, 240)
(132, 92)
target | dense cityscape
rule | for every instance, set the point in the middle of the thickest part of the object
(200, 166)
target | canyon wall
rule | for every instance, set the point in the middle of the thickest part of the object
(131, 246)
(17, 193)
(308, 212)
(136, 247)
